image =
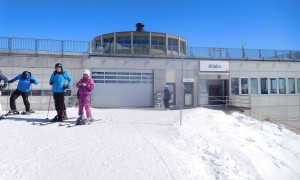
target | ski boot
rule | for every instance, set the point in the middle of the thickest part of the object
(12, 112)
(81, 120)
(25, 112)
(56, 119)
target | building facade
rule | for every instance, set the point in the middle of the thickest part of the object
(131, 69)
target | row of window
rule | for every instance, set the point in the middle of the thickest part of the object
(34, 92)
(120, 77)
(122, 82)
(144, 40)
(265, 85)
(121, 73)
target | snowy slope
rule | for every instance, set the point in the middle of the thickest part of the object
(148, 144)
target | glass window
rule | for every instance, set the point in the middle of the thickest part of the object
(182, 47)
(173, 44)
(291, 85)
(298, 85)
(273, 85)
(244, 84)
(234, 85)
(142, 40)
(282, 86)
(203, 86)
(158, 43)
(108, 40)
(124, 40)
(264, 85)
(254, 86)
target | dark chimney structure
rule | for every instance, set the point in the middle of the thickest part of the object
(139, 27)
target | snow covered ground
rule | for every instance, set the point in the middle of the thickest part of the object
(148, 144)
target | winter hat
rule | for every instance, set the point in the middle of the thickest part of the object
(86, 71)
(166, 86)
(58, 65)
(25, 74)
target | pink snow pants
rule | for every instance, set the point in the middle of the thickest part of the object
(84, 102)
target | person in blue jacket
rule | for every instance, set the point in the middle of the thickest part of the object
(60, 80)
(23, 89)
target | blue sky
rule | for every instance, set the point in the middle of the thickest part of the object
(266, 24)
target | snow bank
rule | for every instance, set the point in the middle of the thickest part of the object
(148, 144)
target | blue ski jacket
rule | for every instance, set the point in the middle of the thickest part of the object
(58, 81)
(24, 84)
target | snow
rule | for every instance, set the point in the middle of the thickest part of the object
(148, 144)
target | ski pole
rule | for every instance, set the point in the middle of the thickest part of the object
(49, 105)
(8, 94)
(30, 98)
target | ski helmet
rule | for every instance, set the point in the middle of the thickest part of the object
(58, 65)
(25, 74)
(86, 71)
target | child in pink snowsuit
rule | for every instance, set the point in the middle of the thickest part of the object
(85, 86)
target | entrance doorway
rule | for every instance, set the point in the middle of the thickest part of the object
(218, 90)
(188, 94)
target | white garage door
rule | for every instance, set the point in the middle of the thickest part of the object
(122, 88)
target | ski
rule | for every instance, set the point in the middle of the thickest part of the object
(63, 124)
(2, 117)
(74, 125)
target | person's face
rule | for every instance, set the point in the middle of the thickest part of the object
(85, 75)
(58, 69)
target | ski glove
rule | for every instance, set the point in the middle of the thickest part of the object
(51, 83)
(10, 81)
(32, 80)
(66, 86)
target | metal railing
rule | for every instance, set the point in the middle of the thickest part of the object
(96, 48)
(43, 45)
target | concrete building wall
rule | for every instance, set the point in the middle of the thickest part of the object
(279, 107)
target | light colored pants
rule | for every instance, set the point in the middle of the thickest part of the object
(84, 102)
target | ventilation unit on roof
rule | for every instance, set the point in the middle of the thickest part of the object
(139, 27)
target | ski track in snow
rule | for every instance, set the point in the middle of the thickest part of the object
(148, 144)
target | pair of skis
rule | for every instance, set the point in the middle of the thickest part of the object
(67, 124)
(16, 113)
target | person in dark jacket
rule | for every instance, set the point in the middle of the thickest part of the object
(167, 97)
(23, 89)
(59, 85)
(5, 81)
(2, 86)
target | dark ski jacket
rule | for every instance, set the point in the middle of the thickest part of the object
(167, 95)
(4, 78)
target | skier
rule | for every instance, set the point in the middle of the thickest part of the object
(23, 89)
(167, 97)
(4, 78)
(59, 86)
(85, 86)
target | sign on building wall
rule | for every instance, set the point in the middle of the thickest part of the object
(214, 66)
(188, 80)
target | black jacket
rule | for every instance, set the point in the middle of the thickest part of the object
(4, 78)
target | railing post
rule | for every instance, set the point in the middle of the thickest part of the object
(227, 54)
(89, 48)
(259, 53)
(36, 47)
(291, 57)
(275, 54)
(62, 47)
(10, 45)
